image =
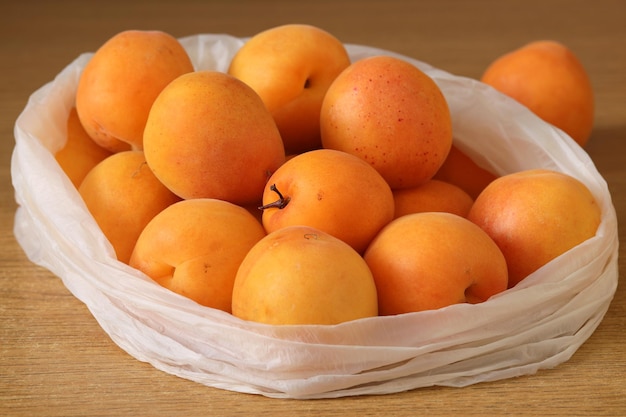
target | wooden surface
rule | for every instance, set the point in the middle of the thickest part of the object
(56, 361)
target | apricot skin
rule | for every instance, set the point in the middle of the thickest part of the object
(209, 135)
(123, 195)
(291, 67)
(301, 275)
(392, 115)
(535, 216)
(194, 248)
(431, 260)
(332, 191)
(80, 153)
(120, 82)
(459, 169)
(433, 195)
(551, 81)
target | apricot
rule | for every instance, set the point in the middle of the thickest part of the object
(433, 195)
(392, 115)
(535, 216)
(209, 135)
(549, 79)
(194, 248)
(291, 67)
(459, 169)
(301, 275)
(427, 261)
(121, 80)
(333, 191)
(123, 195)
(80, 153)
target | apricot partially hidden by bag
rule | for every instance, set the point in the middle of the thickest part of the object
(302, 275)
(534, 216)
(431, 260)
(80, 152)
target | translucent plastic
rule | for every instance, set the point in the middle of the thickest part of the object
(538, 324)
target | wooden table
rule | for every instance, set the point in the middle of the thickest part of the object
(56, 361)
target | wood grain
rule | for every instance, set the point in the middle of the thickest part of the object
(56, 361)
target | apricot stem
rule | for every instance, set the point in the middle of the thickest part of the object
(281, 203)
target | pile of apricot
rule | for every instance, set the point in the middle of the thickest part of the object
(299, 187)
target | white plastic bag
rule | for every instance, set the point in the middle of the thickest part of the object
(538, 324)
